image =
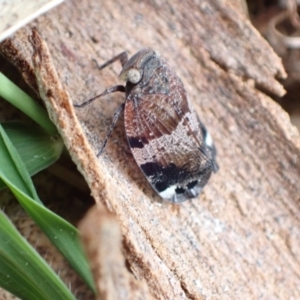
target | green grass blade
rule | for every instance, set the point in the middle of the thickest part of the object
(62, 234)
(36, 147)
(12, 166)
(23, 272)
(13, 94)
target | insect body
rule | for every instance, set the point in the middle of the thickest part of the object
(168, 141)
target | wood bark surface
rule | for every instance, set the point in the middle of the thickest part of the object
(240, 238)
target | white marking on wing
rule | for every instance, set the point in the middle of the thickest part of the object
(208, 140)
(169, 192)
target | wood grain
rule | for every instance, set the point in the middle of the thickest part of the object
(240, 238)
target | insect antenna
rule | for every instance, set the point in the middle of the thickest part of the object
(122, 57)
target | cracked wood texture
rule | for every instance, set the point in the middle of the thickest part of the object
(240, 238)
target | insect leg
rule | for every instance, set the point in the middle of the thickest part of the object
(113, 123)
(123, 57)
(116, 88)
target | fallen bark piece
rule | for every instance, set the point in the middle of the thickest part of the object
(61, 110)
(101, 236)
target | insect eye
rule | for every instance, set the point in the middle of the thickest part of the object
(133, 76)
(157, 53)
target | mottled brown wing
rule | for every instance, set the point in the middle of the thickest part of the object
(165, 137)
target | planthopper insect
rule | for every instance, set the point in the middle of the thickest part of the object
(167, 140)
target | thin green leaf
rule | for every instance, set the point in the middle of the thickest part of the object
(36, 147)
(62, 234)
(23, 272)
(13, 94)
(12, 166)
